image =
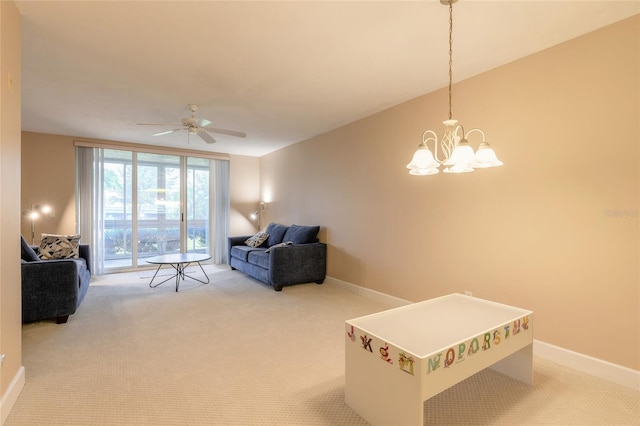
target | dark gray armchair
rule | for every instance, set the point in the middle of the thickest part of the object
(53, 289)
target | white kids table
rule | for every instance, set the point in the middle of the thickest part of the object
(397, 359)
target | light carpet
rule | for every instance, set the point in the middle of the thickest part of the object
(235, 352)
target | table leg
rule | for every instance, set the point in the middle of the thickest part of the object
(518, 365)
(161, 282)
(179, 274)
(196, 279)
(381, 393)
(180, 269)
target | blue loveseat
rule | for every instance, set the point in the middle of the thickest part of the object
(53, 289)
(289, 255)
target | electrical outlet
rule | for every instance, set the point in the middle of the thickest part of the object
(10, 83)
(468, 293)
(2, 359)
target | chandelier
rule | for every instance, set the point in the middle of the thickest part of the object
(457, 155)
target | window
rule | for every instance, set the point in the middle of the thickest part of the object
(138, 204)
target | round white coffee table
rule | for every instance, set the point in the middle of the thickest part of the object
(179, 262)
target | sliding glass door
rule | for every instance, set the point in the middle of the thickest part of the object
(158, 207)
(146, 204)
(197, 205)
(113, 204)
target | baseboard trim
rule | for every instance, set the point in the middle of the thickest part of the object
(365, 292)
(587, 364)
(584, 363)
(11, 395)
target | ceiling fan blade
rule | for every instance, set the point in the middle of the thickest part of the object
(166, 132)
(227, 132)
(201, 122)
(157, 124)
(206, 136)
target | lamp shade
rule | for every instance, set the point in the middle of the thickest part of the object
(459, 168)
(462, 154)
(423, 161)
(486, 157)
(424, 172)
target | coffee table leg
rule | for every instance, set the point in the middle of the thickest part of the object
(179, 274)
(154, 277)
(194, 278)
(180, 269)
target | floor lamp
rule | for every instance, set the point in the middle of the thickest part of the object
(34, 214)
(258, 213)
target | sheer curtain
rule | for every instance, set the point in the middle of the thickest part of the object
(90, 206)
(89, 203)
(221, 202)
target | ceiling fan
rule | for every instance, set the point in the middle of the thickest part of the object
(196, 126)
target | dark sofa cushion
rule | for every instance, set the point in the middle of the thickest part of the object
(259, 258)
(242, 252)
(26, 252)
(299, 234)
(276, 233)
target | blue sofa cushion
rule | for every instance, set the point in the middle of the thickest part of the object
(276, 233)
(298, 234)
(259, 258)
(242, 252)
(26, 252)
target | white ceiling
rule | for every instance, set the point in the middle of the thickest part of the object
(281, 71)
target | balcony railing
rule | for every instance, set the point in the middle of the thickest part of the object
(153, 238)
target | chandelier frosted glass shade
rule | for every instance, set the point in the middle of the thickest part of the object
(462, 154)
(423, 163)
(486, 157)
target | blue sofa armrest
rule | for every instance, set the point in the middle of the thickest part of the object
(298, 264)
(50, 289)
(235, 241)
(85, 253)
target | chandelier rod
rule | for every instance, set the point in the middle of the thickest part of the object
(450, 53)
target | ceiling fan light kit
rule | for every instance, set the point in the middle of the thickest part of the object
(196, 126)
(457, 153)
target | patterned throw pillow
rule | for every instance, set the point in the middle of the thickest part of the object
(54, 246)
(257, 239)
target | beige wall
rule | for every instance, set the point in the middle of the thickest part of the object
(10, 284)
(244, 181)
(48, 177)
(537, 233)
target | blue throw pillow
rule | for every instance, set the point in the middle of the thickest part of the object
(299, 234)
(26, 252)
(276, 233)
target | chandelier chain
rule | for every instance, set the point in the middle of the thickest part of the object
(450, 53)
